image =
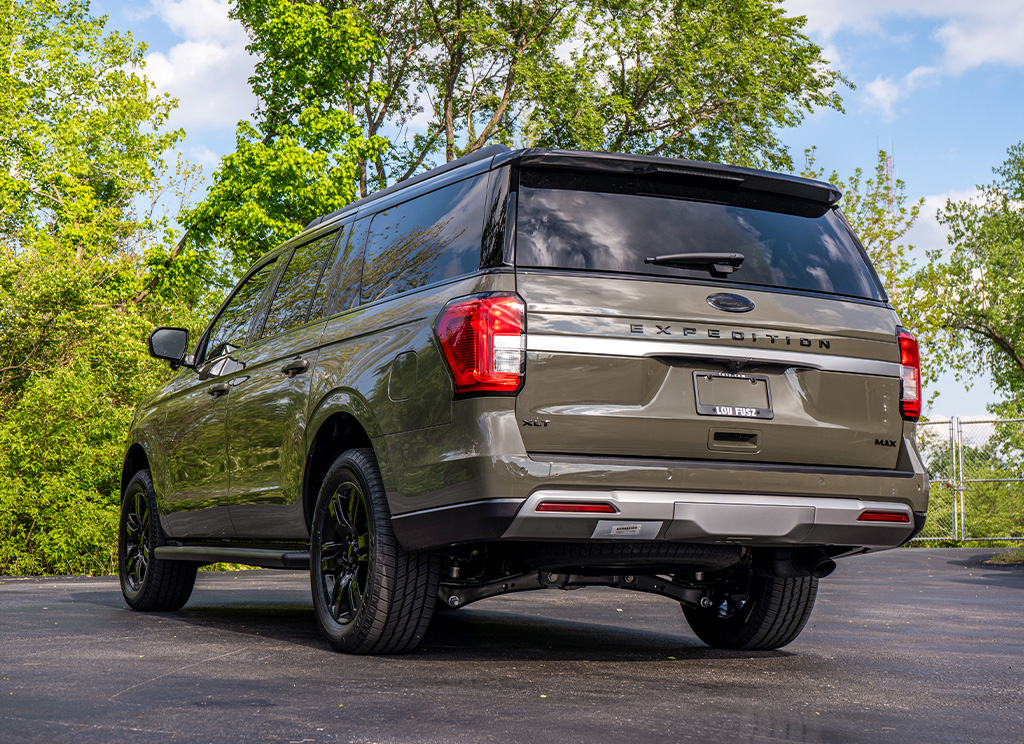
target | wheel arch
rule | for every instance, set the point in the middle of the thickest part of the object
(341, 422)
(135, 459)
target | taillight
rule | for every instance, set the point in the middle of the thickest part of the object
(910, 375)
(483, 340)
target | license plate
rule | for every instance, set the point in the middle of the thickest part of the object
(732, 394)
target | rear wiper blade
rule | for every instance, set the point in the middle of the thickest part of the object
(719, 265)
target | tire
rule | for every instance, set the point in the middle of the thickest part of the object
(370, 595)
(769, 616)
(148, 584)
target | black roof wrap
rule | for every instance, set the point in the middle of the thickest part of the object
(474, 157)
(745, 179)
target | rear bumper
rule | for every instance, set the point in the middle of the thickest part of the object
(747, 519)
(471, 482)
(736, 519)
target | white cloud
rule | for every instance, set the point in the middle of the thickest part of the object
(989, 38)
(200, 19)
(971, 33)
(882, 93)
(830, 53)
(967, 35)
(927, 234)
(204, 157)
(208, 71)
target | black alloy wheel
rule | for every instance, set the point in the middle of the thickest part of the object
(148, 584)
(136, 541)
(345, 547)
(370, 595)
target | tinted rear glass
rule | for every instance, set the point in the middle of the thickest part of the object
(592, 222)
(427, 239)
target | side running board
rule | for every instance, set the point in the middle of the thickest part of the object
(261, 557)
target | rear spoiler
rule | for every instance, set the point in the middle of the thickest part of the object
(727, 177)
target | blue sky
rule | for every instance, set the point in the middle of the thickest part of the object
(941, 81)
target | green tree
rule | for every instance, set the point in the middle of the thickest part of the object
(705, 80)
(881, 214)
(970, 297)
(299, 156)
(675, 77)
(83, 277)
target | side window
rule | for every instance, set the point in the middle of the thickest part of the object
(427, 239)
(496, 230)
(294, 294)
(231, 328)
(339, 289)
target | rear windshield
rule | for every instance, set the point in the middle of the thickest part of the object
(596, 222)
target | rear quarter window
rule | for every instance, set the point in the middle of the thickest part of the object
(427, 239)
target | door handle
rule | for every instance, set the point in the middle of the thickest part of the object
(221, 388)
(295, 367)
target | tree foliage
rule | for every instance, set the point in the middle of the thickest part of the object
(82, 277)
(971, 295)
(881, 214)
(705, 80)
(298, 157)
(675, 77)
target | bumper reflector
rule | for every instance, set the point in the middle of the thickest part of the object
(576, 507)
(884, 516)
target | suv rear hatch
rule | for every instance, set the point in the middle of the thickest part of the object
(787, 354)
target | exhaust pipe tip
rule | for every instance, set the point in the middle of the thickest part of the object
(823, 569)
(787, 563)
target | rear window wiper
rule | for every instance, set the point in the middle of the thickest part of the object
(719, 265)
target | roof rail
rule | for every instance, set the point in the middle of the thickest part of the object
(482, 154)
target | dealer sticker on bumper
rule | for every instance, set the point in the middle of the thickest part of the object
(610, 528)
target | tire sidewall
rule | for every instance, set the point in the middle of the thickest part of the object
(140, 483)
(751, 626)
(353, 635)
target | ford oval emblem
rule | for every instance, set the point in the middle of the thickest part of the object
(730, 303)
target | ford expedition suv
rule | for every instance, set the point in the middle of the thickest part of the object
(539, 369)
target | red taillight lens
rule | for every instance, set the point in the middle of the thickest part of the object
(884, 516)
(910, 374)
(576, 507)
(483, 340)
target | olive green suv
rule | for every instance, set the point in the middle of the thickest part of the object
(539, 369)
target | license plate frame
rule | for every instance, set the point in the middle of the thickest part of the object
(731, 400)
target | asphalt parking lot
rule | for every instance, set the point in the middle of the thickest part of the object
(904, 646)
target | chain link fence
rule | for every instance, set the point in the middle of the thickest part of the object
(976, 468)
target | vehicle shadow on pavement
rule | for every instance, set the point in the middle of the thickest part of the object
(474, 635)
(478, 635)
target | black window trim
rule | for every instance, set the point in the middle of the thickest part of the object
(256, 333)
(271, 257)
(718, 284)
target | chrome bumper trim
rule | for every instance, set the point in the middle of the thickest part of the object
(628, 347)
